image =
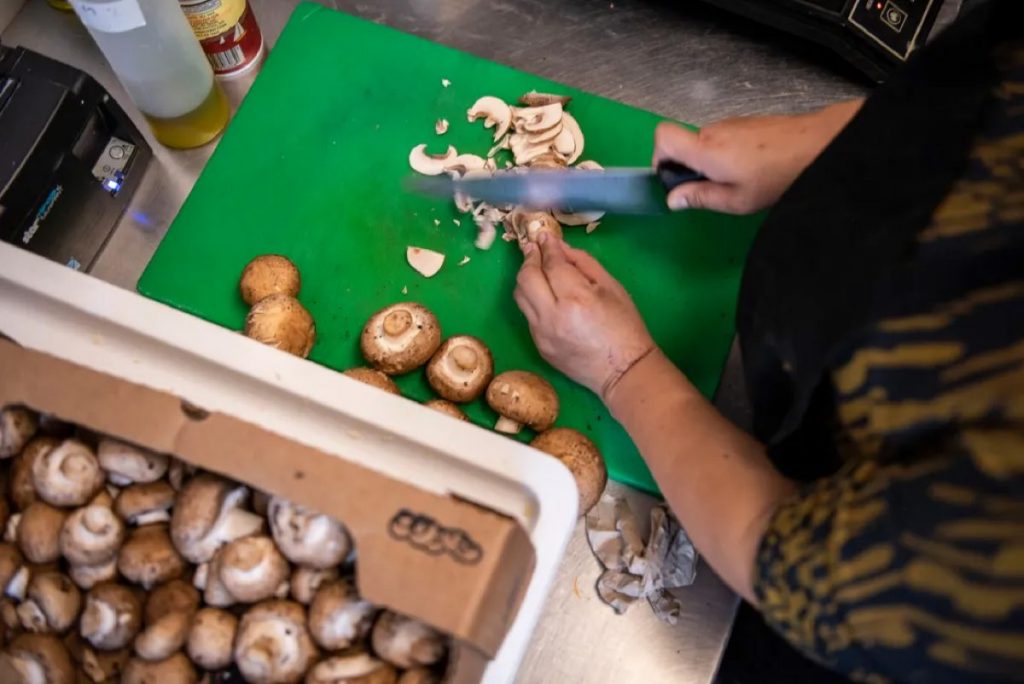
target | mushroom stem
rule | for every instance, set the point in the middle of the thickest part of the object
(508, 426)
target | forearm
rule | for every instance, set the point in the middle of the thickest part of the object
(715, 477)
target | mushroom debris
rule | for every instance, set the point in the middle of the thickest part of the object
(122, 564)
(535, 133)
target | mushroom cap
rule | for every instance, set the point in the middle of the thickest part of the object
(306, 581)
(11, 561)
(250, 569)
(112, 616)
(21, 489)
(39, 659)
(52, 603)
(17, 426)
(405, 642)
(39, 532)
(524, 397)
(148, 557)
(273, 644)
(338, 617)
(280, 321)
(208, 514)
(168, 617)
(211, 638)
(267, 275)
(140, 504)
(126, 463)
(177, 669)
(374, 378)
(400, 338)
(447, 407)
(91, 535)
(67, 475)
(88, 576)
(103, 666)
(418, 675)
(176, 596)
(306, 537)
(352, 668)
(461, 368)
(583, 459)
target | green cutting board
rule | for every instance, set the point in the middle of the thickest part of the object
(312, 167)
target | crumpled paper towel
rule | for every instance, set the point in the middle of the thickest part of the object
(633, 569)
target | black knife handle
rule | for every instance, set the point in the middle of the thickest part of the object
(673, 174)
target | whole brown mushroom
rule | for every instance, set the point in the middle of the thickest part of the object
(374, 378)
(17, 426)
(405, 642)
(38, 659)
(208, 514)
(338, 617)
(177, 669)
(91, 535)
(168, 617)
(266, 275)
(446, 407)
(246, 570)
(583, 459)
(52, 603)
(461, 368)
(522, 398)
(22, 491)
(400, 338)
(112, 616)
(273, 644)
(144, 504)
(352, 668)
(280, 321)
(211, 638)
(126, 463)
(67, 475)
(148, 557)
(38, 532)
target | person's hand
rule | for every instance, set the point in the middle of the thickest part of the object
(749, 161)
(583, 321)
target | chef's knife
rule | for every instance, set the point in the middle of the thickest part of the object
(615, 190)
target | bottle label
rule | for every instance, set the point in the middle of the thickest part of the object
(210, 18)
(110, 17)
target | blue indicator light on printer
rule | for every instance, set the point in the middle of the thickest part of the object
(112, 185)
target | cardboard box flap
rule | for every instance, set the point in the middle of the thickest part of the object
(455, 565)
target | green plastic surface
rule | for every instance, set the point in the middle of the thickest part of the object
(312, 167)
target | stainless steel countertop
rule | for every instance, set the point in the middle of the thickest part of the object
(674, 58)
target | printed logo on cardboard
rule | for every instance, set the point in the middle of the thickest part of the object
(425, 534)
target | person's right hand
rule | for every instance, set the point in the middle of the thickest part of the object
(749, 161)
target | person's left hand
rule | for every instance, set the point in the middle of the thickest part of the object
(583, 321)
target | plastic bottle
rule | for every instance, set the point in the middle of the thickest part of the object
(150, 46)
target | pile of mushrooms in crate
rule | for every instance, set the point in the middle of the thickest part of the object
(120, 564)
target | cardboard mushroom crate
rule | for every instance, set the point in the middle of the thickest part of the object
(180, 500)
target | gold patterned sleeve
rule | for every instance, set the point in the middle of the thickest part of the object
(909, 571)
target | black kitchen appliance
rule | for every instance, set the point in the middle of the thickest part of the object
(875, 36)
(70, 159)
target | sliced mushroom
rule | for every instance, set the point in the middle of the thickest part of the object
(374, 378)
(400, 338)
(91, 535)
(430, 164)
(17, 426)
(461, 368)
(522, 398)
(280, 321)
(424, 261)
(247, 570)
(536, 119)
(269, 274)
(465, 164)
(486, 232)
(352, 668)
(569, 142)
(51, 604)
(306, 537)
(495, 113)
(273, 644)
(446, 407)
(148, 557)
(38, 659)
(580, 218)
(67, 475)
(176, 669)
(112, 616)
(39, 532)
(305, 582)
(535, 99)
(209, 514)
(168, 618)
(126, 463)
(338, 617)
(405, 642)
(211, 637)
(145, 504)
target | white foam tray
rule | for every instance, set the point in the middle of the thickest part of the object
(50, 308)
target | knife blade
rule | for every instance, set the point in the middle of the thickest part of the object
(614, 190)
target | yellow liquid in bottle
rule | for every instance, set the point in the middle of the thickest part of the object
(197, 127)
(60, 4)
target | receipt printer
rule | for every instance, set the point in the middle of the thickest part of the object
(70, 159)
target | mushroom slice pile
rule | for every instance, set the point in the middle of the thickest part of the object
(495, 113)
(400, 338)
(306, 537)
(461, 368)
